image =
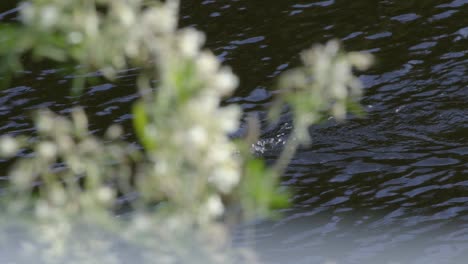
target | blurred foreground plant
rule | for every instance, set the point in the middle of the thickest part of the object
(188, 175)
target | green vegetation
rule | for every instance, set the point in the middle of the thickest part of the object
(188, 179)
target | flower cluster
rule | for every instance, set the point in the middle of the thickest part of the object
(107, 35)
(325, 84)
(181, 125)
(190, 129)
(187, 171)
(63, 153)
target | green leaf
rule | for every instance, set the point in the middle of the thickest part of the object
(356, 108)
(261, 189)
(140, 121)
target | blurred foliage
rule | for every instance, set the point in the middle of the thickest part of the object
(187, 178)
(324, 85)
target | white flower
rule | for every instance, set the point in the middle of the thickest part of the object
(361, 61)
(190, 42)
(161, 167)
(221, 151)
(198, 135)
(230, 116)
(105, 195)
(204, 104)
(27, 13)
(341, 74)
(225, 178)
(21, 178)
(47, 150)
(339, 111)
(75, 37)
(49, 16)
(45, 123)
(207, 64)
(125, 14)
(225, 81)
(331, 48)
(91, 24)
(214, 206)
(163, 19)
(114, 131)
(8, 146)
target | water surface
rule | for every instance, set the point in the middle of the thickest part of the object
(391, 186)
(388, 188)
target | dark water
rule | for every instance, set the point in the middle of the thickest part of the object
(389, 188)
